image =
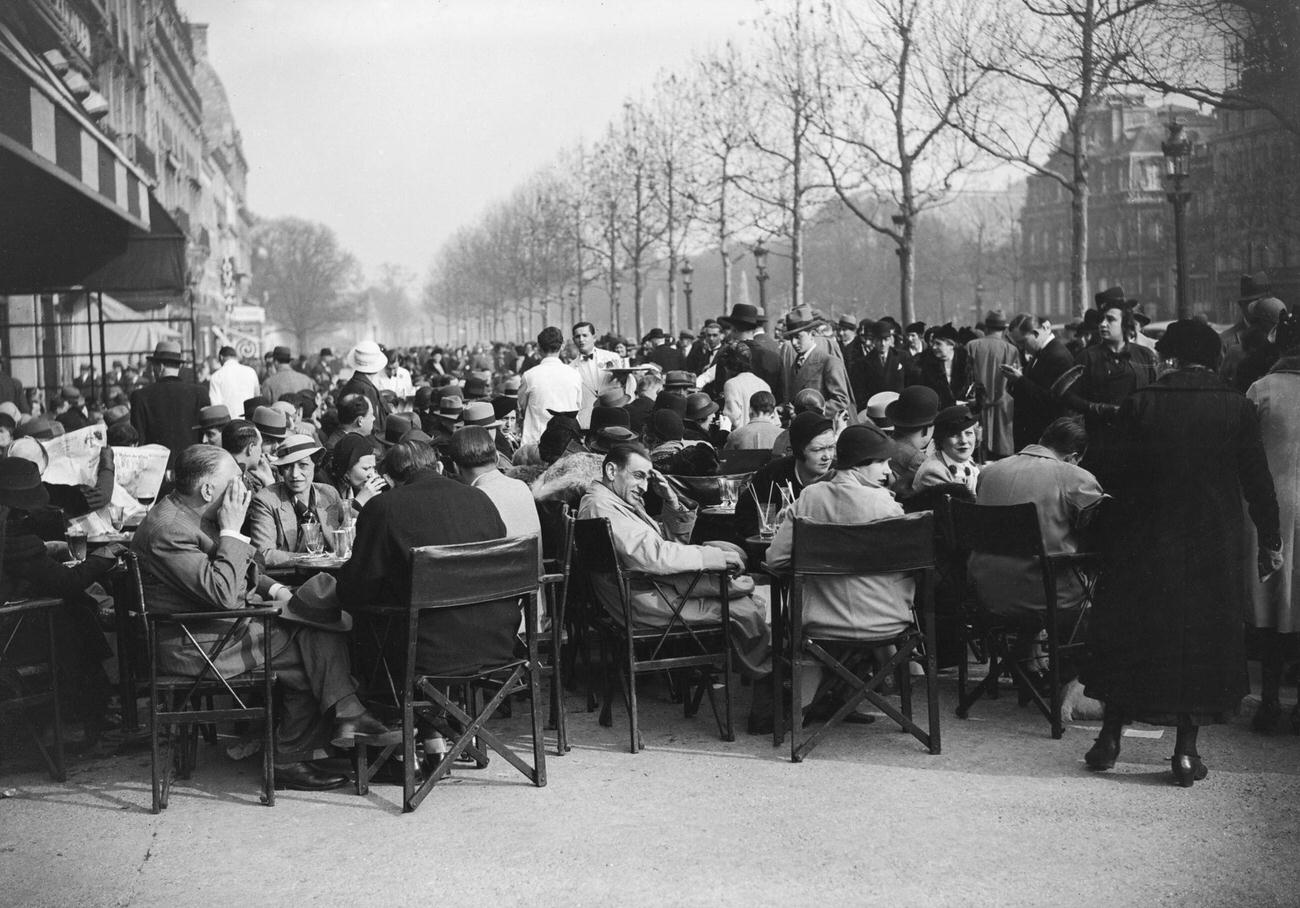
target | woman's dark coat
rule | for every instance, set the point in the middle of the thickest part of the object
(1167, 629)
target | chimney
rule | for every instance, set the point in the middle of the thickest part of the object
(199, 38)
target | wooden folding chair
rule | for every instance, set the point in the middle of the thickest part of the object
(30, 684)
(702, 647)
(897, 545)
(467, 576)
(557, 546)
(179, 704)
(1014, 530)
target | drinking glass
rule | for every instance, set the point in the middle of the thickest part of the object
(769, 515)
(727, 489)
(77, 544)
(116, 516)
(313, 538)
(342, 544)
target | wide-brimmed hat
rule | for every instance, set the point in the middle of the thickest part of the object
(743, 316)
(395, 428)
(1254, 286)
(167, 352)
(295, 448)
(801, 318)
(272, 423)
(954, 419)
(679, 378)
(700, 406)
(367, 357)
(916, 407)
(213, 417)
(653, 334)
(1111, 298)
(477, 388)
(511, 387)
(20, 485)
(995, 320)
(878, 408)
(480, 413)
(861, 444)
(613, 397)
(316, 604)
(847, 323)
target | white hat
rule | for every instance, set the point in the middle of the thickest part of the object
(367, 357)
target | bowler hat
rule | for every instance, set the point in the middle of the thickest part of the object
(396, 426)
(1111, 298)
(916, 407)
(316, 604)
(477, 388)
(20, 485)
(679, 379)
(213, 417)
(605, 417)
(954, 419)
(272, 423)
(743, 316)
(861, 444)
(295, 448)
(700, 406)
(480, 413)
(281, 354)
(667, 400)
(167, 351)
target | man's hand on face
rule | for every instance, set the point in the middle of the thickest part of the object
(234, 506)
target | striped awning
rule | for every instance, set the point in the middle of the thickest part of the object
(42, 123)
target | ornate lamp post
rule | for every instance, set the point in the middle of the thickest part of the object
(687, 272)
(760, 264)
(1178, 156)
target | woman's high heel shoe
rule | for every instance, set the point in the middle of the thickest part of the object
(1187, 769)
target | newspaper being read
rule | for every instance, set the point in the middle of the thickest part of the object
(140, 470)
(74, 457)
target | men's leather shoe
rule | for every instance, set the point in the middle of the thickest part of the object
(302, 777)
(346, 731)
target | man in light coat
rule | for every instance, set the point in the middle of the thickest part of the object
(232, 383)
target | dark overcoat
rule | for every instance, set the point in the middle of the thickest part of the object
(1167, 632)
(166, 412)
(1036, 405)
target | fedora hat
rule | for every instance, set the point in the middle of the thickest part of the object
(395, 427)
(116, 414)
(613, 397)
(801, 318)
(995, 320)
(42, 428)
(847, 323)
(213, 417)
(861, 444)
(20, 485)
(743, 316)
(667, 400)
(653, 334)
(476, 388)
(679, 379)
(167, 352)
(272, 423)
(450, 407)
(700, 406)
(295, 448)
(1254, 286)
(1111, 298)
(480, 413)
(1139, 315)
(878, 408)
(316, 604)
(511, 387)
(366, 357)
(916, 407)
(281, 354)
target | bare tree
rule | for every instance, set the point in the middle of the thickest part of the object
(303, 274)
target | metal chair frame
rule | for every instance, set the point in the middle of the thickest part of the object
(23, 704)
(644, 648)
(425, 691)
(1014, 530)
(895, 545)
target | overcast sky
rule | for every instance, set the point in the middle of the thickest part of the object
(397, 121)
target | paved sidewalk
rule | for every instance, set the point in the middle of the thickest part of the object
(1004, 816)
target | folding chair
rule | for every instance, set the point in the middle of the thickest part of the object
(1014, 530)
(678, 644)
(179, 704)
(557, 546)
(898, 545)
(30, 684)
(466, 576)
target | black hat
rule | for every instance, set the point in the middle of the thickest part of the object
(1254, 286)
(281, 355)
(916, 328)
(995, 320)
(743, 316)
(916, 407)
(667, 400)
(1091, 319)
(477, 388)
(700, 406)
(679, 379)
(608, 417)
(861, 444)
(880, 330)
(424, 397)
(945, 332)
(805, 427)
(954, 419)
(20, 485)
(653, 334)
(1139, 315)
(666, 425)
(801, 319)
(1111, 298)
(1191, 341)
(316, 604)
(396, 426)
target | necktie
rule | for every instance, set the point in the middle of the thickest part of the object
(587, 356)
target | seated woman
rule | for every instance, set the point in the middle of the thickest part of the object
(278, 513)
(355, 470)
(952, 460)
(849, 607)
(812, 441)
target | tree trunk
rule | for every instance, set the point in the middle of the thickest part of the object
(722, 245)
(907, 272)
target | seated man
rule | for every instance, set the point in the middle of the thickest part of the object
(1047, 475)
(473, 451)
(658, 548)
(241, 439)
(194, 558)
(849, 607)
(278, 512)
(761, 429)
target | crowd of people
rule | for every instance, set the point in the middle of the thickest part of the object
(1174, 457)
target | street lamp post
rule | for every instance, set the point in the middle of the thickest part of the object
(615, 286)
(760, 265)
(687, 272)
(1178, 155)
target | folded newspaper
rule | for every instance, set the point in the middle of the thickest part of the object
(138, 473)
